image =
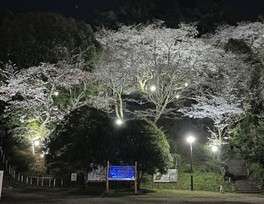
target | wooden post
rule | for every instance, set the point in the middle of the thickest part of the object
(54, 183)
(49, 182)
(61, 182)
(136, 190)
(27, 180)
(42, 182)
(107, 179)
(37, 181)
(31, 181)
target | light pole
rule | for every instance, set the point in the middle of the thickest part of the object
(190, 140)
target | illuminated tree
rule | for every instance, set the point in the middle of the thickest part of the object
(222, 96)
(247, 38)
(250, 33)
(36, 94)
(137, 58)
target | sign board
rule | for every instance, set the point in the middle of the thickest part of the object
(73, 176)
(1, 182)
(170, 177)
(98, 174)
(122, 173)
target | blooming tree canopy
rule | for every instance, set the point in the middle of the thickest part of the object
(155, 62)
(30, 94)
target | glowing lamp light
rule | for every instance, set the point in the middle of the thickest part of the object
(119, 121)
(56, 93)
(190, 139)
(153, 88)
(186, 84)
(36, 143)
(214, 148)
(177, 96)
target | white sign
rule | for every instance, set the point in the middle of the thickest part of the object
(1, 182)
(98, 174)
(73, 176)
(170, 177)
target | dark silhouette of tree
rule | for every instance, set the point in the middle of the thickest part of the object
(207, 13)
(85, 137)
(142, 141)
(28, 39)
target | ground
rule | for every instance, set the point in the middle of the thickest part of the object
(18, 195)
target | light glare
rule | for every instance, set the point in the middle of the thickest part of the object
(36, 143)
(153, 88)
(119, 121)
(190, 139)
(56, 93)
(214, 148)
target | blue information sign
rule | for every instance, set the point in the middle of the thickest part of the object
(121, 173)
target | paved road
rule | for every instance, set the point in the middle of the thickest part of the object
(14, 196)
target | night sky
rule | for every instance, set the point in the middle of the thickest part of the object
(80, 9)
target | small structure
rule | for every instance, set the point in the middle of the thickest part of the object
(221, 189)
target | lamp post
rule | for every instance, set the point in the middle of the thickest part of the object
(190, 140)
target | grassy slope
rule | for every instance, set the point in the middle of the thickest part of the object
(203, 181)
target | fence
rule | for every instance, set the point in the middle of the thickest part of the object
(29, 180)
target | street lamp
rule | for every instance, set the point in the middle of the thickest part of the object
(190, 140)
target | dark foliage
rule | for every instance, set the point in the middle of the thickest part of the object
(207, 13)
(143, 142)
(85, 137)
(28, 39)
(248, 138)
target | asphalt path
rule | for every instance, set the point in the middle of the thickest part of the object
(15, 196)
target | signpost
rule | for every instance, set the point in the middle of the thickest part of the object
(170, 177)
(73, 176)
(98, 174)
(1, 182)
(121, 173)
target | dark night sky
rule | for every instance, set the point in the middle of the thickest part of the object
(239, 9)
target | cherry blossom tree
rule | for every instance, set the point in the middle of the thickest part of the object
(251, 33)
(221, 96)
(36, 94)
(154, 62)
(220, 111)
